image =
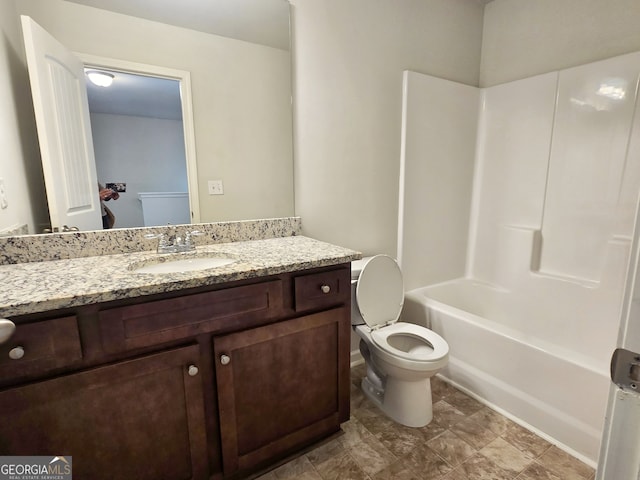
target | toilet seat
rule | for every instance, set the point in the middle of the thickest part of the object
(380, 297)
(429, 347)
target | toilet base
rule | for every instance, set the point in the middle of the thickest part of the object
(408, 403)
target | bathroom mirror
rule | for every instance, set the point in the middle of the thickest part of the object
(240, 69)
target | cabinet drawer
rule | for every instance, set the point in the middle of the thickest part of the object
(153, 323)
(47, 345)
(323, 289)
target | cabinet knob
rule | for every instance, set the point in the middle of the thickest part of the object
(7, 327)
(225, 359)
(16, 353)
(325, 288)
(192, 370)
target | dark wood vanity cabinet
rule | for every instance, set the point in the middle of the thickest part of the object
(210, 383)
(141, 418)
(279, 386)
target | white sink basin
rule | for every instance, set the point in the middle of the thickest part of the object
(179, 265)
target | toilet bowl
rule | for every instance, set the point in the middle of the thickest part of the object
(401, 357)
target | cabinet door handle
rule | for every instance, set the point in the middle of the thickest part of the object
(325, 288)
(7, 327)
(192, 370)
(225, 359)
(16, 353)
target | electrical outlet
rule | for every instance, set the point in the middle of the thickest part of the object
(215, 187)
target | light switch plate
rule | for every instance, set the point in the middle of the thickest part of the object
(215, 187)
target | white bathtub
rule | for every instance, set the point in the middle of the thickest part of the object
(559, 393)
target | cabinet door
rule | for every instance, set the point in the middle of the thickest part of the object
(281, 386)
(141, 419)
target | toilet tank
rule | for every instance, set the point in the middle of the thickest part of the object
(162, 208)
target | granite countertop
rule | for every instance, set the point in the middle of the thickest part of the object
(41, 286)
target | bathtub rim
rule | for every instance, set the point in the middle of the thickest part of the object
(564, 354)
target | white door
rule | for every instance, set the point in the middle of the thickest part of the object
(64, 130)
(620, 450)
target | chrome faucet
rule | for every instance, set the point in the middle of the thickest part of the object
(172, 243)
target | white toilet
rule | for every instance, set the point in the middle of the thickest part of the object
(401, 357)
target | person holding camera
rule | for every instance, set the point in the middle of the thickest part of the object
(106, 194)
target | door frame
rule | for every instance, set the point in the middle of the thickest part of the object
(184, 79)
(620, 446)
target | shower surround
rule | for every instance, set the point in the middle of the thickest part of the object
(556, 175)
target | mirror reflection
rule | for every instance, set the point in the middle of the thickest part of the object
(241, 109)
(138, 141)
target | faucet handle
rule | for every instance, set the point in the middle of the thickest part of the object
(162, 238)
(188, 235)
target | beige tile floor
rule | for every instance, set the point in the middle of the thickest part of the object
(465, 441)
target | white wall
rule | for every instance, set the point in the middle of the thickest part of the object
(522, 38)
(348, 63)
(146, 153)
(20, 158)
(241, 93)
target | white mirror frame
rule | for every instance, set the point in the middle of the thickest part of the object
(184, 77)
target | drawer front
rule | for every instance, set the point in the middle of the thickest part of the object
(45, 346)
(153, 323)
(323, 289)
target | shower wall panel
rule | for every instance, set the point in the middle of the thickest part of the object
(555, 192)
(438, 145)
(516, 121)
(587, 202)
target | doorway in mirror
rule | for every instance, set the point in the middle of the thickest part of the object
(138, 138)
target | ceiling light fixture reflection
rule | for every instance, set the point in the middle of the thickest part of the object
(101, 79)
(615, 89)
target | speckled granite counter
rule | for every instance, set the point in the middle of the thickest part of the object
(40, 286)
(58, 246)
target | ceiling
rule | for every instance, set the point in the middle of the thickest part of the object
(265, 22)
(137, 95)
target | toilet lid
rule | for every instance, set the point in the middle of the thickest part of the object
(380, 291)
